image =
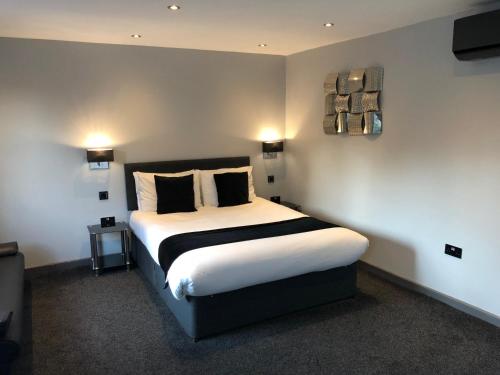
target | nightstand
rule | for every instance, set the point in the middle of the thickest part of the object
(291, 205)
(100, 262)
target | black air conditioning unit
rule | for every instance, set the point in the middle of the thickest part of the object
(477, 37)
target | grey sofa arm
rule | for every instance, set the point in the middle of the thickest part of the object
(9, 248)
(11, 300)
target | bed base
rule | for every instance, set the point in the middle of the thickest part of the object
(209, 315)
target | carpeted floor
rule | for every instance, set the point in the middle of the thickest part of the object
(116, 324)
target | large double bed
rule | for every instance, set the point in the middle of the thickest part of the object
(245, 263)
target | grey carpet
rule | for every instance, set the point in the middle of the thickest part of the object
(116, 324)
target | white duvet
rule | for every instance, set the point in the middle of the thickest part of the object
(222, 268)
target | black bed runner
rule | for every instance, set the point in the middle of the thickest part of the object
(172, 247)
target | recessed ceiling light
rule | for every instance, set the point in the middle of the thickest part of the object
(328, 24)
(262, 45)
(174, 7)
(136, 36)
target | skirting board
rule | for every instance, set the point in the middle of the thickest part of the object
(455, 303)
(32, 273)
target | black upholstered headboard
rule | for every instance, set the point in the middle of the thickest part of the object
(172, 167)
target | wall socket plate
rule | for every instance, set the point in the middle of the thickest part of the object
(270, 179)
(454, 251)
(103, 195)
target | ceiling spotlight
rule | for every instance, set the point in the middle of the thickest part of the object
(174, 7)
(136, 36)
(328, 24)
(262, 45)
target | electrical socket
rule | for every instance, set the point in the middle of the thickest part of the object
(453, 251)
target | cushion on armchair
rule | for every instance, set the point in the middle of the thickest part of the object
(11, 301)
(9, 248)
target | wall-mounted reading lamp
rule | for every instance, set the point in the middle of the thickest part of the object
(271, 148)
(99, 158)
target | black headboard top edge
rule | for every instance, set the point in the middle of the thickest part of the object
(174, 166)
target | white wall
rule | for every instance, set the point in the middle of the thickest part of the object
(431, 178)
(151, 103)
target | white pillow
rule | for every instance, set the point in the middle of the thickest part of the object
(146, 189)
(209, 190)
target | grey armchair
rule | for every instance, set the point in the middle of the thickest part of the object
(11, 300)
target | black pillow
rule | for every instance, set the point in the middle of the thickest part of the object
(175, 194)
(232, 188)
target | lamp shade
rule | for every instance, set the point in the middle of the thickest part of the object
(100, 155)
(274, 146)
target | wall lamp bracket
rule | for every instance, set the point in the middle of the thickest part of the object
(270, 149)
(99, 158)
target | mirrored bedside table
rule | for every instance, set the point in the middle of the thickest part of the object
(101, 262)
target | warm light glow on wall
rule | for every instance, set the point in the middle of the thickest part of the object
(291, 131)
(97, 140)
(269, 134)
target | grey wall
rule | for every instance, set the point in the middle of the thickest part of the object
(431, 178)
(57, 98)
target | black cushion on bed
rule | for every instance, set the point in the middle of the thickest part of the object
(9, 248)
(232, 188)
(175, 194)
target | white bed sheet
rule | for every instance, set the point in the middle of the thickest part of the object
(222, 268)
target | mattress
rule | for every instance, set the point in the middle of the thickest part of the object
(227, 267)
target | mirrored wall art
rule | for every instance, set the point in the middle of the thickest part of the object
(352, 101)
(330, 85)
(330, 104)
(341, 124)
(374, 78)
(329, 122)
(343, 83)
(356, 105)
(356, 80)
(355, 123)
(372, 123)
(369, 102)
(342, 103)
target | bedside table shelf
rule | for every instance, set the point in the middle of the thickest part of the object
(112, 261)
(101, 262)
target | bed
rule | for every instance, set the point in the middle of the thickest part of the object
(216, 288)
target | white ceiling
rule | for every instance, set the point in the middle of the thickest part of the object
(287, 26)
